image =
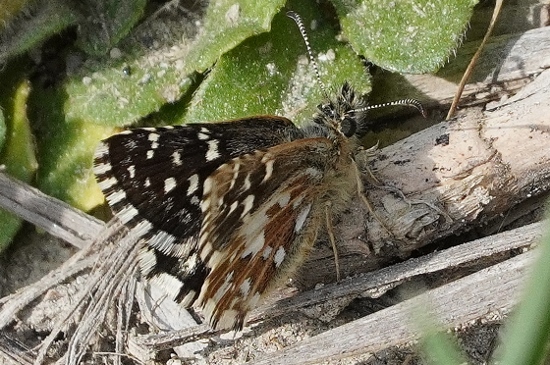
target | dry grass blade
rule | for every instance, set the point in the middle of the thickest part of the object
(14, 303)
(111, 283)
(109, 279)
(471, 65)
(52, 215)
(13, 352)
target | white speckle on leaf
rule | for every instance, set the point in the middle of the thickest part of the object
(232, 14)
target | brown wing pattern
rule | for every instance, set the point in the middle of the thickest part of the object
(259, 221)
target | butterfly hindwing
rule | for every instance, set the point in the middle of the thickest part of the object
(259, 221)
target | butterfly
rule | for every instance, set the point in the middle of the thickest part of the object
(230, 210)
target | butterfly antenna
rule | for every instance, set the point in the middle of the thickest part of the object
(298, 20)
(409, 102)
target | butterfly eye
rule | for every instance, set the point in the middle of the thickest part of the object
(327, 110)
(348, 126)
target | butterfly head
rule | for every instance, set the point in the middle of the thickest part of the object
(345, 113)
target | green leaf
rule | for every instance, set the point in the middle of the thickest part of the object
(120, 93)
(440, 348)
(228, 23)
(270, 73)
(25, 32)
(17, 154)
(65, 149)
(405, 36)
(103, 93)
(2, 129)
(106, 23)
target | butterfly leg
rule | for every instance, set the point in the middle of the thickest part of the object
(361, 194)
(364, 156)
(374, 181)
(332, 238)
(412, 202)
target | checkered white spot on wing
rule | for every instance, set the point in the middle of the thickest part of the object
(259, 222)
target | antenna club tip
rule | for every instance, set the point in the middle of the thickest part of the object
(292, 15)
(415, 103)
(423, 112)
(418, 105)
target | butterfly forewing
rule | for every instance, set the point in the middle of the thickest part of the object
(259, 222)
(155, 175)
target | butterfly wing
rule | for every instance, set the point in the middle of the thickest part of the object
(153, 180)
(261, 213)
